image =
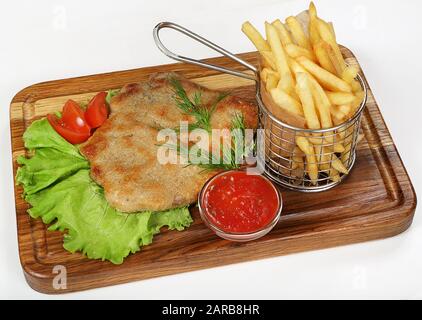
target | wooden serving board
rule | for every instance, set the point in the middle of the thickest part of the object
(376, 201)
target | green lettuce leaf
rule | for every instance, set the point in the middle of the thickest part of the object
(58, 186)
(42, 135)
(47, 167)
(55, 158)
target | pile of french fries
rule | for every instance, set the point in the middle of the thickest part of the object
(305, 74)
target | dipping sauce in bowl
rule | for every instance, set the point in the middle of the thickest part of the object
(239, 206)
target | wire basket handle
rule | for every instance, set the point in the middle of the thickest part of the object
(207, 43)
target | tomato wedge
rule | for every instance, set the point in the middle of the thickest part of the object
(75, 125)
(70, 135)
(73, 117)
(97, 110)
(72, 125)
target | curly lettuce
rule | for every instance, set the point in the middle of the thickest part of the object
(58, 186)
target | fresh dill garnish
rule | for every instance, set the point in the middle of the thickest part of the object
(231, 156)
(111, 93)
(194, 107)
(240, 148)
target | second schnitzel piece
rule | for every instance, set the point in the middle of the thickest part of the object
(123, 151)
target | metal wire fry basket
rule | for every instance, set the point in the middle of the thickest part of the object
(333, 156)
(331, 151)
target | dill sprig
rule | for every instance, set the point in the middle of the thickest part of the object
(231, 157)
(194, 107)
(239, 149)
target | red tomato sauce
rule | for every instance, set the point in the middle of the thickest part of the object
(238, 202)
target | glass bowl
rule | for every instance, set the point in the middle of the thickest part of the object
(238, 236)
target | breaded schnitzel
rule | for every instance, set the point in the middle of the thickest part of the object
(123, 151)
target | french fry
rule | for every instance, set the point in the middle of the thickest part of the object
(277, 49)
(266, 71)
(333, 32)
(341, 135)
(294, 51)
(356, 87)
(312, 10)
(324, 109)
(272, 80)
(338, 147)
(264, 74)
(338, 165)
(323, 58)
(322, 103)
(338, 67)
(284, 35)
(288, 117)
(250, 31)
(289, 87)
(345, 109)
(268, 58)
(340, 113)
(283, 69)
(304, 92)
(357, 102)
(298, 34)
(285, 101)
(329, 137)
(315, 139)
(349, 75)
(340, 98)
(311, 161)
(323, 106)
(297, 68)
(313, 16)
(287, 83)
(348, 141)
(328, 160)
(314, 36)
(334, 175)
(325, 78)
(324, 161)
(297, 159)
(338, 118)
(326, 34)
(294, 94)
(345, 156)
(336, 162)
(264, 63)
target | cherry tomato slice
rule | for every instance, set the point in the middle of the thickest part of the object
(97, 111)
(70, 135)
(73, 117)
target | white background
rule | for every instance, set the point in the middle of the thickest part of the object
(46, 40)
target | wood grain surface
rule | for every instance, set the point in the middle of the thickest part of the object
(376, 201)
